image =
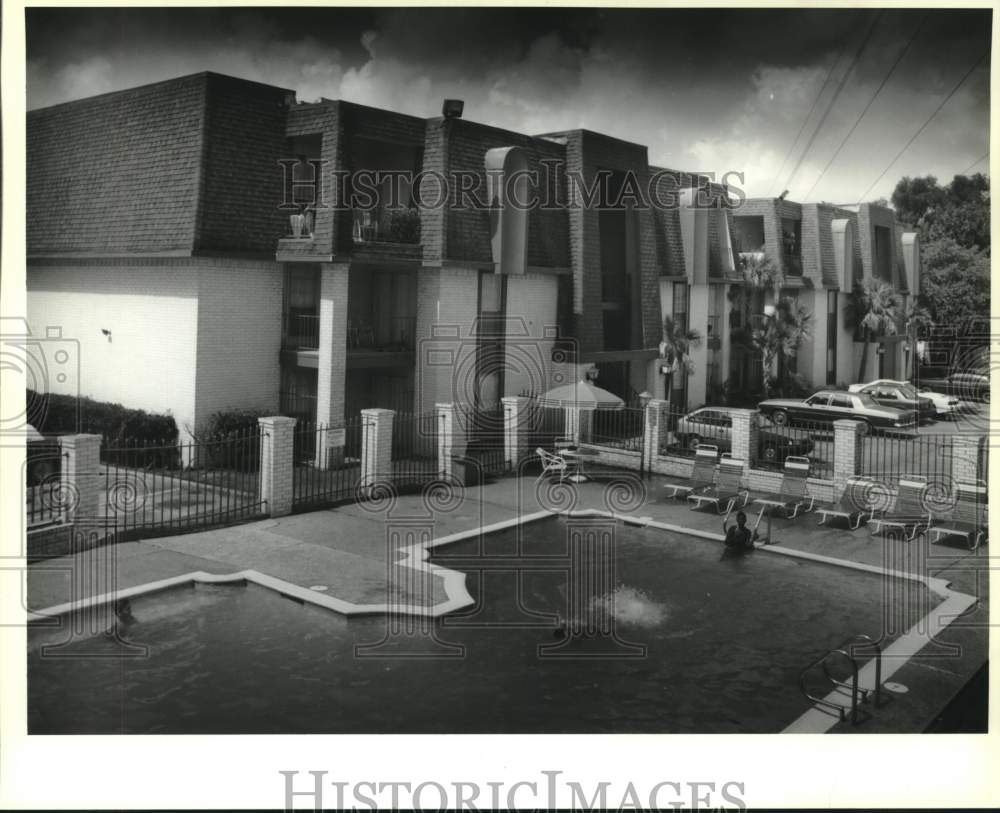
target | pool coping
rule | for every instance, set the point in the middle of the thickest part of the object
(417, 557)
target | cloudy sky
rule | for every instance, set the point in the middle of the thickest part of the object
(770, 93)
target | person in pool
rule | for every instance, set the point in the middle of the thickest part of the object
(739, 537)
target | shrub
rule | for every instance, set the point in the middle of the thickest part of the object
(230, 439)
(117, 424)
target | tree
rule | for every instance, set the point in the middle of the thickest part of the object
(955, 283)
(776, 337)
(874, 309)
(918, 323)
(960, 210)
(676, 346)
(912, 197)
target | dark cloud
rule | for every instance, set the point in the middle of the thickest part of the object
(707, 89)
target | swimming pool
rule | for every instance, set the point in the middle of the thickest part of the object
(699, 642)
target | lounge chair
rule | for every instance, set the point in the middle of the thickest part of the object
(552, 464)
(792, 496)
(967, 519)
(853, 504)
(727, 490)
(909, 514)
(702, 473)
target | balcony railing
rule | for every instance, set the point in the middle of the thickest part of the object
(302, 331)
(395, 337)
(379, 225)
(793, 264)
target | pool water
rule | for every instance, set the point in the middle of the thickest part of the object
(702, 643)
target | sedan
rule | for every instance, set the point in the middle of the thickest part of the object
(713, 425)
(898, 394)
(828, 406)
(969, 386)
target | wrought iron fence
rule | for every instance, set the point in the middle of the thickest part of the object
(616, 428)
(151, 487)
(813, 440)
(887, 457)
(44, 495)
(414, 448)
(327, 464)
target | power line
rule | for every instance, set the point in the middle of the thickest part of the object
(923, 126)
(836, 95)
(871, 101)
(805, 121)
(977, 161)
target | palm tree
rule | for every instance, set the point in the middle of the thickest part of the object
(761, 272)
(793, 327)
(874, 311)
(777, 337)
(675, 346)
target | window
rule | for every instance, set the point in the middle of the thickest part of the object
(819, 399)
(842, 401)
(679, 311)
(831, 337)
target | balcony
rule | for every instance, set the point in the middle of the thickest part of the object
(391, 343)
(301, 331)
(382, 225)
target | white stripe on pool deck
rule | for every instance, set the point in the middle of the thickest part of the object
(416, 557)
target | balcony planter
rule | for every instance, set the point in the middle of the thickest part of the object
(298, 224)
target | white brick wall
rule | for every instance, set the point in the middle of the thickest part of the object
(239, 337)
(152, 312)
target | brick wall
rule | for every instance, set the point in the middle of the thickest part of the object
(239, 336)
(151, 309)
(468, 230)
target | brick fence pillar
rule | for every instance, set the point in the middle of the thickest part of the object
(376, 446)
(446, 420)
(847, 444)
(516, 430)
(277, 463)
(745, 435)
(655, 432)
(81, 482)
(965, 459)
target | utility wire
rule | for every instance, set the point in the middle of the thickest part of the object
(805, 121)
(923, 126)
(871, 101)
(977, 161)
(833, 100)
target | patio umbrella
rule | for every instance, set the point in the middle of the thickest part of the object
(581, 395)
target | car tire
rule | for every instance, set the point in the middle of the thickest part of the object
(779, 418)
(986, 396)
(865, 429)
(692, 441)
(769, 454)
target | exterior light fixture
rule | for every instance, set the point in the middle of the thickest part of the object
(769, 310)
(452, 108)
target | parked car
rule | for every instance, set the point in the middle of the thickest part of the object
(898, 394)
(969, 386)
(827, 406)
(713, 425)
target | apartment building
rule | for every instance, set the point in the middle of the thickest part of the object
(212, 243)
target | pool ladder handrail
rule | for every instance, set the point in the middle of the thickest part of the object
(822, 701)
(856, 691)
(849, 646)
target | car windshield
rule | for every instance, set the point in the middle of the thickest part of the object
(907, 390)
(867, 400)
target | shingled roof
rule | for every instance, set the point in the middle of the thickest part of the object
(171, 167)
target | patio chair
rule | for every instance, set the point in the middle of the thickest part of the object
(702, 473)
(851, 505)
(552, 464)
(727, 489)
(792, 496)
(909, 513)
(968, 518)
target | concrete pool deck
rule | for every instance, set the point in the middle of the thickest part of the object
(348, 553)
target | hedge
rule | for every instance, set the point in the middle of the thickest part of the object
(68, 414)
